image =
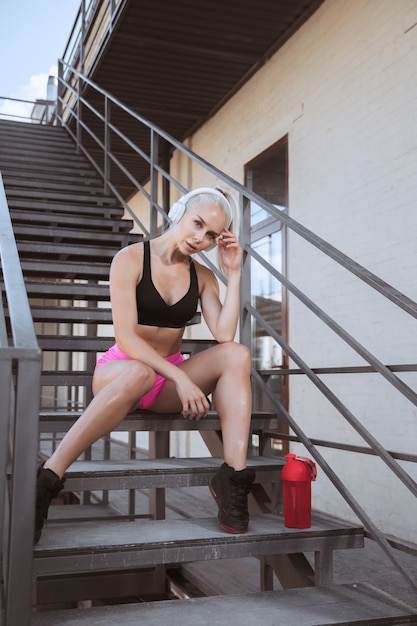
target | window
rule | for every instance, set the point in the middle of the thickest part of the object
(267, 175)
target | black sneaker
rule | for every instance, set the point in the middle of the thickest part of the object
(230, 489)
(48, 486)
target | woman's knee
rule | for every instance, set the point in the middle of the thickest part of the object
(137, 379)
(236, 355)
(132, 378)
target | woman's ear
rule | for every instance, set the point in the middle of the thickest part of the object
(176, 211)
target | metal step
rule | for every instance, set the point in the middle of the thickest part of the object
(32, 172)
(109, 225)
(92, 546)
(83, 512)
(56, 196)
(71, 314)
(66, 290)
(61, 421)
(68, 207)
(31, 167)
(100, 344)
(32, 134)
(27, 177)
(62, 269)
(343, 605)
(55, 155)
(63, 251)
(30, 232)
(93, 185)
(66, 379)
(57, 141)
(158, 473)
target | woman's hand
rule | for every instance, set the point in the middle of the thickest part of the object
(230, 250)
(194, 402)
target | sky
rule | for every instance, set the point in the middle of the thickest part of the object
(33, 36)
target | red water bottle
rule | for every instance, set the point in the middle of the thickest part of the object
(296, 476)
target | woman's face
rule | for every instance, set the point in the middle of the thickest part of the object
(200, 226)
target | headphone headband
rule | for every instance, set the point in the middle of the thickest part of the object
(178, 208)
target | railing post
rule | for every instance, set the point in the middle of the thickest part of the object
(244, 236)
(6, 382)
(166, 163)
(78, 118)
(82, 43)
(82, 69)
(107, 143)
(60, 93)
(154, 183)
(23, 485)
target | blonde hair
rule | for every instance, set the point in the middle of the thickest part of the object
(215, 195)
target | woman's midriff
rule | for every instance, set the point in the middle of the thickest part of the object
(165, 341)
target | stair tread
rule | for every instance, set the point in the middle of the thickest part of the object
(165, 466)
(93, 185)
(307, 606)
(97, 198)
(12, 161)
(67, 290)
(67, 204)
(158, 473)
(68, 249)
(59, 421)
(70, 313)
(89, 545)
(78, 512)
(109, 225)
(65, 269)
(25, 232)
(99, 344)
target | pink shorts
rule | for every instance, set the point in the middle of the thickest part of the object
(114, 354)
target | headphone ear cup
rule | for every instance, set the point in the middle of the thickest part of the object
(176, 211)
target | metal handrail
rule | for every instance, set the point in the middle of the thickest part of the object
(89, 31)
(374, 281)
(245, 196)
(387, 290)
(44, 119)
(342, 409)
(396, 382)
(20, 370)
(369, 524)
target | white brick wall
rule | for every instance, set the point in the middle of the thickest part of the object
(344, 89)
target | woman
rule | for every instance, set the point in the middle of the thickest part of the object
(154, 289)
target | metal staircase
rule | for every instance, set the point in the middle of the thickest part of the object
(67, 229)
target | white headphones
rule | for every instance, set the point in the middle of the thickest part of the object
(178, 208)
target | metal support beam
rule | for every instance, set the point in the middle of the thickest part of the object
(22, 501)
(154, 183)
(158, 449)
(292, 570)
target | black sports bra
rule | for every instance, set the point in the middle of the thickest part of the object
(152, 308)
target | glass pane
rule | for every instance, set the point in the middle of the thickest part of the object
(258, 214)
(267, 300)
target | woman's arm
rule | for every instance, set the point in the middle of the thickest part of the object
(221, 319)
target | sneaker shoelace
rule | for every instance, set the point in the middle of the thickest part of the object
(238, 496)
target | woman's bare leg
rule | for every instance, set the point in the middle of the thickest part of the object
(118, 386)
(225, 371)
